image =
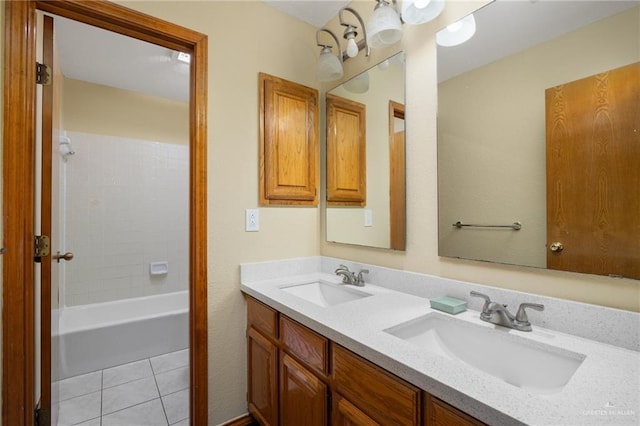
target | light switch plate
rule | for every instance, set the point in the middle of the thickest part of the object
(252, 220)
(368, 217)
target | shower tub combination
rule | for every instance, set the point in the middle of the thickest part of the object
(102, 335)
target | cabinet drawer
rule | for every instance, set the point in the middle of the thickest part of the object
(385, 398)
(262, 318)
(307, 345)
(438, 413)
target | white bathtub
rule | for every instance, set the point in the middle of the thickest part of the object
(103, 335)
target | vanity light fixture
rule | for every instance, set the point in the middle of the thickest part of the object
(350, 34)
(417, 12)
(384, 27)
(329, 66)
(457, 33)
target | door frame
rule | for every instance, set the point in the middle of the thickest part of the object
(19, 116)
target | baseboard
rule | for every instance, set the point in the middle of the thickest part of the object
(245, 420)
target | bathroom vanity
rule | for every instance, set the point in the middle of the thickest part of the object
(320, 352)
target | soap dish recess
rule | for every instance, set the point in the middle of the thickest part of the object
(450, 305)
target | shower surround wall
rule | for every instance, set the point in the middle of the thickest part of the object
(126, 206)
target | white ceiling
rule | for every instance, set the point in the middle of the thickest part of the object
(314, 12)
(90, 54)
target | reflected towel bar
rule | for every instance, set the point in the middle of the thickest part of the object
(515, 225)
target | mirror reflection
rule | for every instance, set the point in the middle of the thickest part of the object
(538, 124)
(366, 158)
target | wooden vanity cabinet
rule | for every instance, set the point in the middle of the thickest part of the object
(262, 362)
(298, 377)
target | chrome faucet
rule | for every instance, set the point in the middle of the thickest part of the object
(351, 278)
(498, 314)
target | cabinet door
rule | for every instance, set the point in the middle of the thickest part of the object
(288, 142)
(303, 397)
(438, 413)
(346, 152)
(347, 414)
(262, 363)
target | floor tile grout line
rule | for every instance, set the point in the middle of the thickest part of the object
(131, 406)
(164, 410)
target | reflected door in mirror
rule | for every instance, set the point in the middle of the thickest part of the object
(593, 174)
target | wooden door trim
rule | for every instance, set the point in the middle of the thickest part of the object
(18, 192)
(397, 201)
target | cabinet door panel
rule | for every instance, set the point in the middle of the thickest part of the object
(303, 397)
(346, 152)
(347, 414)
(310, 347)
(288, 142)
(262, 318)
(438, 413)
(262, 359)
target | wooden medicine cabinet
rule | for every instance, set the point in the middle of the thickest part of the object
(288, 143)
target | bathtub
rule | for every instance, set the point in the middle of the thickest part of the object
(103, 335)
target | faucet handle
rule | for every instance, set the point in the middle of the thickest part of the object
(341, 268)
(487, 301)
(521, 315)
(360, 279)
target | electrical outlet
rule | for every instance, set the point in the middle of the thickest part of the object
(252, 220)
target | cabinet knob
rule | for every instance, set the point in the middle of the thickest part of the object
(67, 256)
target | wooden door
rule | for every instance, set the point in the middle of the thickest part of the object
(344, 413)
(303, 396)
(288, 142)
(262, 364)
(346, 152)
(19, 117)
(397, 179)
(593, 173)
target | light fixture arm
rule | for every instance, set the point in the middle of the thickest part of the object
(328, 45)
(364, 31)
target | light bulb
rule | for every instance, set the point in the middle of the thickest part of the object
(352, 47)
(421, 4)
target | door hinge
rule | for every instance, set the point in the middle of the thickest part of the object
(41, 247)
(43, 74)
(41, 417)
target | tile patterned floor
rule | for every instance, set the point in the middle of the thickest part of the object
(150, 392)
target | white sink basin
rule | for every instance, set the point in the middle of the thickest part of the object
(325, 294)
(535, 367)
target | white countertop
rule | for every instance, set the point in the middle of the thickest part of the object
(605, 389)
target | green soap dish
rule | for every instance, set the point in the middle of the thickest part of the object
(450, 305)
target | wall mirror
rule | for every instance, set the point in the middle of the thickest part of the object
(515, 151)
(366, 158)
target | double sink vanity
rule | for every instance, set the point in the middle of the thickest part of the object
(378, 354)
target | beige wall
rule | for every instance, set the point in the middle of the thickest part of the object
(93, 108)
(422, 210)
(491, 139)
(244, 39)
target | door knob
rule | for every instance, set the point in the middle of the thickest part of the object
(556, 247)
(67, 256)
